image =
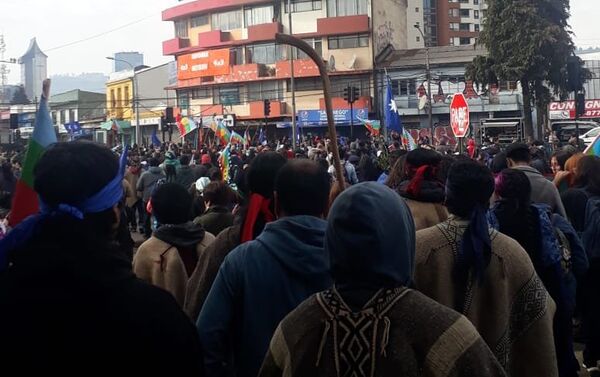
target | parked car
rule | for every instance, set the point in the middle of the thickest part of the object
(589, 137)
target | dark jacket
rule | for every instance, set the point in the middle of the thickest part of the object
(215, 219)
(258, 284)
(72, 304)
(148, 180)
(209, 263)
(185, 176)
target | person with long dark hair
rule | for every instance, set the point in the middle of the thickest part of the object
(554, 248)
(487, 276)
(69, 298)
(249, 223)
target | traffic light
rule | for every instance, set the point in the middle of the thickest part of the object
(579, 104)
(574, 82)
(267, 104)
(355, 94)
(347, 93)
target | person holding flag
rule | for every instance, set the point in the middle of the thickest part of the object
(392, 118)
(225, 163)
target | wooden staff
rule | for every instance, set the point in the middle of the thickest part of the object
(303, 46)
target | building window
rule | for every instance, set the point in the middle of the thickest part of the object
(305, 84)
(407, 87)
(127, 103)
(113, 102)
(72, 117)
(63, 116)
(463, 1)
(338, 8)
(476, 2)
(465, 41)
(417, 10)
(236, 55)
(476, 27)
(453, 12)
(465, 27)
(201, 93)
(483, 13)
(465, 12)
(227, 95)
(54, 120)
(181, 29)
(454, 26)
(303, 5)
(227, 20)
(349, 41)
(451, 41)
(119, 98)
(258, 15)
(183, 99)
(476, 14)
(259, 91)
(316, 44)
(262, 53)
(201, 20)
(418, 39)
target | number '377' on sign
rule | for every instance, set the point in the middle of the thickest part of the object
(459, 115)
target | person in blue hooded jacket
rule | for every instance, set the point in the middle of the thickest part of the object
(261, 281)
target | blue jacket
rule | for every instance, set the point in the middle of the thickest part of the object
(258, 284)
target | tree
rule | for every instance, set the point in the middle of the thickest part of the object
(19, 97)
(527, 41)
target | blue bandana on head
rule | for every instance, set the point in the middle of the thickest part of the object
(104, 199)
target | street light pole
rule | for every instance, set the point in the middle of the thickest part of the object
(292, 77)
(428, 75)
(134, 93)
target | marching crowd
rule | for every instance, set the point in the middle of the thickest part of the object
(414, 263)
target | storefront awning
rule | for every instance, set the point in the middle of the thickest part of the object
(500, 124)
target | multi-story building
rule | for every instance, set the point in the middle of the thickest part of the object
(152, 97)
(125, 60)
(33, 70)
(449, 22)
(494, 111)
(77, 106)
(228, 61)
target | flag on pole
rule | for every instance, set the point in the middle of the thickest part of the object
(374, 126)
(185, 125)
(237, 138)
(262, 139)
(594, 148)
(408, 141)
(392, 117)
(155, 140)
(25, 201)
(247, 136)
(224, 162)
(223, 133)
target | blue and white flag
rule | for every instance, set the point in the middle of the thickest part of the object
(155, 140)
(392, 118)
(261, 137)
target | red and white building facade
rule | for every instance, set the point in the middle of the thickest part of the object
(228, 61)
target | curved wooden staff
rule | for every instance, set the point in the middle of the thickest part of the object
(308, 50)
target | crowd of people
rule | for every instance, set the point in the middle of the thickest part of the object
(413, 263)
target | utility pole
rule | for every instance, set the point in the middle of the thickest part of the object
(292, 81)
(4, 71)
(428, 76)
(134, 94)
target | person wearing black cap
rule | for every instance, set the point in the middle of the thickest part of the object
(543, 191)
(370, 323)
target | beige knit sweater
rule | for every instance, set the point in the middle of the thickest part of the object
(511, 309)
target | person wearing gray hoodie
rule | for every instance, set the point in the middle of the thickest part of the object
(261, 281)
(145, 186)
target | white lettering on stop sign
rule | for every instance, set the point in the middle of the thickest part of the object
(459, 115)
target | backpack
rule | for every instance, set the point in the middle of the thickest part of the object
(591, 234)
(564, 248)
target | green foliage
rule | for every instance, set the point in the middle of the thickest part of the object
(527, 41)
(19, 97)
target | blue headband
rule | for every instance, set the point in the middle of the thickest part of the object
(104, 199)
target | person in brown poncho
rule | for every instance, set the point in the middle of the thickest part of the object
(370, 323)
(487, 276)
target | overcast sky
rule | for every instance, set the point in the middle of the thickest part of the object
(56, 23)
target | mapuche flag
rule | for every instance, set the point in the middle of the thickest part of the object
(25, 201)
(594, 148)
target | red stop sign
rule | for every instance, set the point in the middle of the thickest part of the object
(459, 115)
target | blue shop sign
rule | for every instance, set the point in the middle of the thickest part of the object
(318, 118)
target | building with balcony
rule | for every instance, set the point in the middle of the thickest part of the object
(150, 86)
(447, 22)
(77, 106)
(228, 61)
(494, 111)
